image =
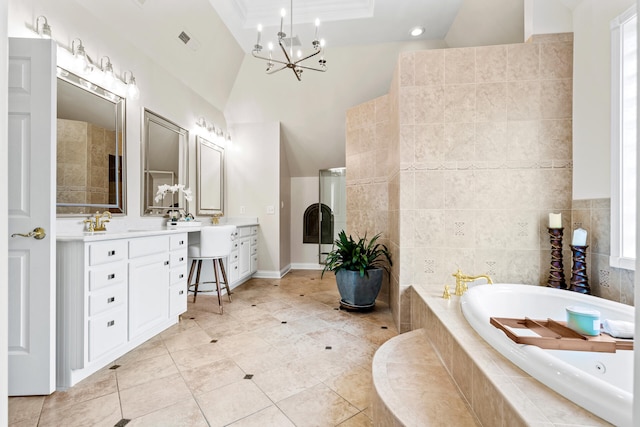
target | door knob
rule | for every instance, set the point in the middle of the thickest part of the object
(37, 233)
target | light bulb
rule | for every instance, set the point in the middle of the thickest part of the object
(299, 53)
(283, 13)
(270, 46)
(132, 89)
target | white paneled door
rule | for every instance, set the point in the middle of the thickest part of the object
(32, 156)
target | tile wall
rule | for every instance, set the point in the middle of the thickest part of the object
(478, 152)
(605, 281)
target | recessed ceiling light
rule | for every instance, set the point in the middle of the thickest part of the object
(417, 31)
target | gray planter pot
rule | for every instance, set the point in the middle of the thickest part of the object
(359, 292)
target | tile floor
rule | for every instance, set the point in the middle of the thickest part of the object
(281, 355)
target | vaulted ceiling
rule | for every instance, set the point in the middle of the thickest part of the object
(363, 39)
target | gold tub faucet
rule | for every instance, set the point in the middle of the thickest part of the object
(462, 279)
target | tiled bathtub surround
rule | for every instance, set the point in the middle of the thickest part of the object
(478, 152)
(499, 393)
(605, 281)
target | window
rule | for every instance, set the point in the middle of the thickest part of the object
(623, 139)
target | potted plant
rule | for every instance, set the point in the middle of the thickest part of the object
(358, 266)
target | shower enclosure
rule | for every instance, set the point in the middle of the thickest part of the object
(332, 207)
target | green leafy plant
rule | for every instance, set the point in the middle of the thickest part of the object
(357, 255)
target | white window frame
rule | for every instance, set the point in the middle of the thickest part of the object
(623, 230)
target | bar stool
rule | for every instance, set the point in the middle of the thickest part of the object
(215, 244)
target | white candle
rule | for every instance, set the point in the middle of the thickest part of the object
(579, 237)
(555, 220)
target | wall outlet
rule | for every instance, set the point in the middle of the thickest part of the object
(243, 210)
(271, 210)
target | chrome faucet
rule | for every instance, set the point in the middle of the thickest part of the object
(462, 279)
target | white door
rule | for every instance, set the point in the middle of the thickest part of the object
(32, 155)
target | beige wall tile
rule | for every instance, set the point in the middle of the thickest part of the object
(555, 139)
(459, 141)
(491, 141)
(491, 64)
(524, 100)
(407, 61)
(556, 99)
(429, 143)
(429, 67)
(491, 102)
(523, 61)
(460, 65)
(460, 103)
(556, 60)
(429, 105)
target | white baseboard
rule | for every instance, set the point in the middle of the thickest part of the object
(267, 274)
(306, 266)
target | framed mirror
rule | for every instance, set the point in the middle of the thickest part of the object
(210, 177)
(164, 162)
(90, 148)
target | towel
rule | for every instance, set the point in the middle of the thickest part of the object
(618, 328)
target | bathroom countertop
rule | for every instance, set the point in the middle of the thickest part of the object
(532, 400)
(118, 234)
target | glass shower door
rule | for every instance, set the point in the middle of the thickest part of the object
(332, 206)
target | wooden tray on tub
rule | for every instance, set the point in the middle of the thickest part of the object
(555, 335)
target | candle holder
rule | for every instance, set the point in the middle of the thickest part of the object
(579, 280)
(556, 272)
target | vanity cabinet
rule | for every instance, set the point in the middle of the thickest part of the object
(112, 295)
(243, 260)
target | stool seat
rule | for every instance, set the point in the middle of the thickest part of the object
(216, 243)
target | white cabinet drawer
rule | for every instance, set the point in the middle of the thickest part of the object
(106, 332)
(178, 275)
(107, 299)
(234, 272)
(254, 249)
(148, 246)
(254, 230)
(177, 299)
(233, 256)
(177, 241)
(177, 258)
(113, 250)
(254, 240)
(244, 231)
(107, 275)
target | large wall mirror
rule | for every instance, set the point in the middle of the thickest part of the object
(90, 148)
(164, 162)
(210, 172)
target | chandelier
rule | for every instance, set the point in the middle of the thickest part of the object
(295, 64)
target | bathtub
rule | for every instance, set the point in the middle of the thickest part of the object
(602, 383)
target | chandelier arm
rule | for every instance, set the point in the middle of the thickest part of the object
(306, 57)
(284, 50)
(279, 69)
(296, 73)
(311, 68)
(268, 59)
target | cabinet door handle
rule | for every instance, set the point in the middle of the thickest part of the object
(166, 263)
(111, 253)
(181, 293)
(110, 323)
(110, 300)
(181, 242)
(181, 258)
(111, 276)
(181, 276)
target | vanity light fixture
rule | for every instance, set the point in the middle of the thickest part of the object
(107, 69)
(45, 32)
(417, 31)
(201, 122)
(286, 45)
(83, 63)
(133, 92)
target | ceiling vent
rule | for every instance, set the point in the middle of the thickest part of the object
(295, 40)
(188, 40)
